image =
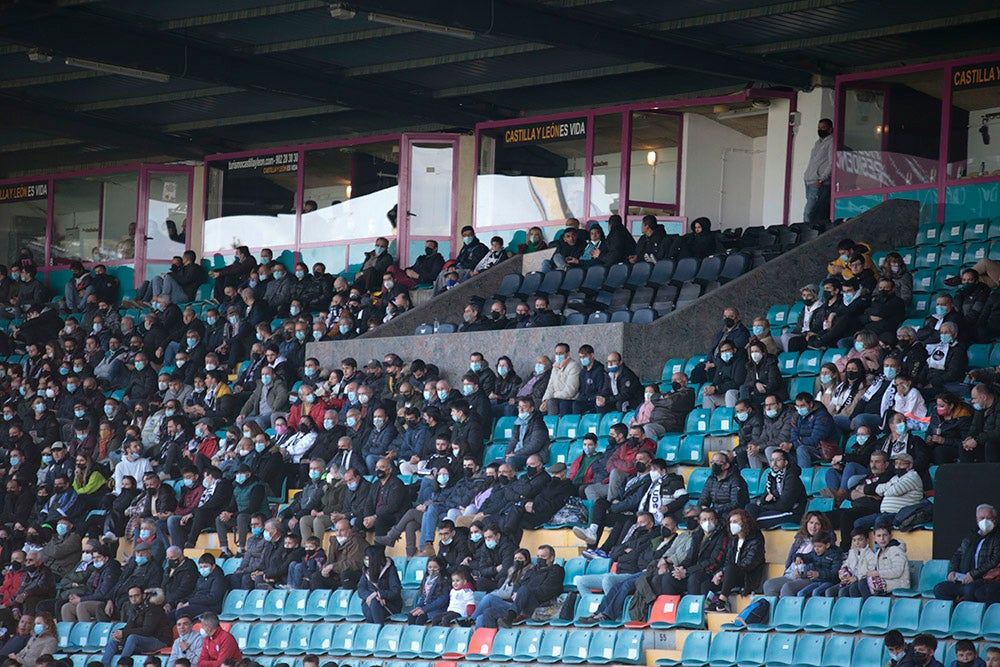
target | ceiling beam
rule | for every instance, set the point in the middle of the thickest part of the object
(557, 27)
(762, 11)
(44, 79)
(546, 79)
(873, 33)
(252, 118)
(49, 120)
(83, 34)
(329, 40)
(162, 98)
(434, 61)
(241, 15)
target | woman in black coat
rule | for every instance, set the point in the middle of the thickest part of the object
(763, 375)
(380, 589)
(744, 565)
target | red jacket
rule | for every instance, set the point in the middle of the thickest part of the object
(316, 412)
(189, 499)
(588, 474)
(623, 458)
(218, 647)
(11, 582)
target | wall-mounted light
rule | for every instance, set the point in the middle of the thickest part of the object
(348, 191)
(651, 158)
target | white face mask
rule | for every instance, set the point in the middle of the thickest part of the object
(735, 528)
(708, 526)
(655, 475)
(986, 526)
(341, 540)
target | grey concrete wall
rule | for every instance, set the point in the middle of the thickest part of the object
(690, 331)
(644, 347)
(448, 306)
(451, 351)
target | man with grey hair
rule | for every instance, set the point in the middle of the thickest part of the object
(947, 362)
(903, 490)
(978, 554)
(912, 355)
(179, 577)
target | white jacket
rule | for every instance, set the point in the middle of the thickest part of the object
(564, 383)
(893, 566)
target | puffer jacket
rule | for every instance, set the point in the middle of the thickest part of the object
(564, 382)
(892, 565)
(815, 426)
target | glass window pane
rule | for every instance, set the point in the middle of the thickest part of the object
(891, 132)
(353, 188)
(23, 215)
(653, 159)
(166, 224)
(607, 171)
(531, 172)
(251, 201)
(974, 135)
(94, 217)
(430, 189)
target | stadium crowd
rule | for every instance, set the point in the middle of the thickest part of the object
(131, 428)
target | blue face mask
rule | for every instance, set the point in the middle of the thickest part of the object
(309, 371)
(491, 544)
(191, 342)
(327, 424)
(169, 412)
(612, 369)
(139, 365)
(946, 338)
(861, 438)
(315, 474)
(141, 560)
(802, 411)
(771, 413)
(466, 240)
(560, 358)
(442, 394)
(317, 335)
(475, 367)
(40, 408)
(204, 570)
(428, 395)
(523, 416)
(940, 311)
(98, 564)
(211, 320)
(539, 369)
(825, 379)
(15, 460)
(300, 274)
(259, 447)
(241, 479)
(352, 397)
(188, 483)
(757, 330)
(889, 372)
(265, 379)
(352, 486)
(61, 529)
(45, 459)
(726, 356)
(256, 531)
(144, 534)
(476, 537)
(352, 422)
(268, 537)
(379, 250)
(39, 628)
(343, 328)
(300, 335)
(859, 346)
(900, 428)
(71, 387)
(467, 390)
(278, 275)
(443, 480)
(63, 371)
(585, 361)
(848, 297)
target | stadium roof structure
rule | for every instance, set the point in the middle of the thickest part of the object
(101, 82)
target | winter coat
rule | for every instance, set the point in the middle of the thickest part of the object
(893, 565)
(725, 495)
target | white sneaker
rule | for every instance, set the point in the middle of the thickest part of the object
(588, 535)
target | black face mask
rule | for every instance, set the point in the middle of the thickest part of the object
(729, 322)
(428, 251)
(852, 375)
(809, 301)
(381, 474)
(823, 134)
(640, 466)
(677, 386)
(494, 315)
(532, 469)
(717, 468)
(468, 472)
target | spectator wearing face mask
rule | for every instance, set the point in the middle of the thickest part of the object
(427, 267)
(785, 496)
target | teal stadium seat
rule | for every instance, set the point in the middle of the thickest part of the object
(338, 605)
(322, 637)
(967, 620)
(875, 615)
(434, 642)
(628, 647)
(366, 639)
(551, 648)
(528, 645)
(817, 614)
(602, 647)
(568, 427)
(587, 606)
(257, 639)
(279, 640)
(695, 650)
(696, 482)
(846, 615)
(409, 645)
(503, 645)
(752, 650)
(577, 647)
(274, 605)
(691, 612)
(724, 648)
(933, 573)
(809, 651)
(457, 642)
(905, 616)
(780, 649)
(343, 639)
(935, 618)
(991, 624)
(838, 651)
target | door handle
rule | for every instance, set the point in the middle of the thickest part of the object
(149, 238)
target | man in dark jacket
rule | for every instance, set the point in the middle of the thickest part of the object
(784, 498)
(730, 371)
(633, 553)
(725, 489)
(622, 388)
(472, 251)
(145, 631)
(357, 499)
(179, 578)
(429, 265)
(541, 584)
(139, 571)
(709, 542)
(811, 425)
(569, 245)
(886, 311)
(233, 274)
(453, 547)
(209, 591)
(492, 559)
(619, 244)
(670, 410)
(530, 435)
(388, 501)
(983, 442)
(749, 420)
(619, 508)
(540, 495)
(978, 554)
(593, 379)
(653, 244)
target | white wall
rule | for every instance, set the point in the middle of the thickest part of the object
(712, 152)
(812, 106)
(776, 158)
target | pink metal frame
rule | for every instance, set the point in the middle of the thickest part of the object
(626, 110)
(142, 204)
(947, 68)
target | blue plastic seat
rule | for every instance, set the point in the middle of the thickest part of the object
(935, 618)
(241, 633)
(967, 620)
(753, 648)
(568, 428)
(817, 614)
(808, 651)
(723, 422)
(322, 637)
(777, 316)
(808, 363)
(846, 615)
(551, 423)
(691, 612)
(552, 646)
(602, 647)
(723, 651)
(979, 355)
(698, 421)
(752, 477)
(577, 647)
(927, 257)
(78, 636)
(780, 649)
(787, 363)
(274, 605)
(528, 645)
(867, 652)
(991, 623)
(338, 606)
(253, 606)
(933, 573)
(607, 421)
(838, 651)
(671, 366)
(434, 642)
(875, 615)
(298, 642)
(786, 616)
(366, 639)
(695, 650)
(355, 611)
(587, 606)
(343, 639)
(257, 640)
(628, 647)
(279, 640)
(572, 568)
(503, 645)
(414, 572)
(409, 645)
(905, 616)
(232, 606)
(696, 482)
(692, 450)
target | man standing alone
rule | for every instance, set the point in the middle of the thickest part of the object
(818, 173)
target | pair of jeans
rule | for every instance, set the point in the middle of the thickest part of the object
(132, 644)
(817, 207)
(837, 480)
(489, 609)
(614, 597)
(587, 582)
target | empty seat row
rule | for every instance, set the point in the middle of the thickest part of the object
(979, 229)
